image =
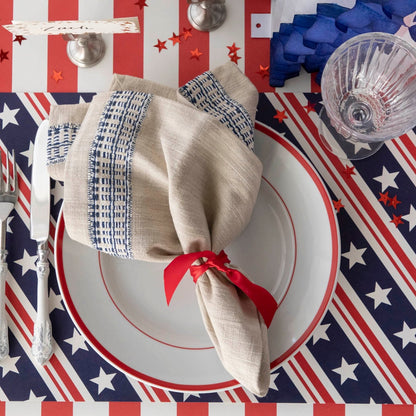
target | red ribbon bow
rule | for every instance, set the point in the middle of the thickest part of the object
(174, 272)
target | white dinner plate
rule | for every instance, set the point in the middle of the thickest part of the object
(291, 247)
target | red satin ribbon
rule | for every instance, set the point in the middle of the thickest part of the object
(174, 272)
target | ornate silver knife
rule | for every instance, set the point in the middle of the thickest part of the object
(39, 231)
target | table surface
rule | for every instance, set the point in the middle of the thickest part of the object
(363, 351)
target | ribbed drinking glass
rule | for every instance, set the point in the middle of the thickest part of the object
(369, 94)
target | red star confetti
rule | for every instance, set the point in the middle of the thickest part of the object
(264, 71)
(19, 38)
(234, 58)
(141, 4)
(397, 220)
(175, 38)
(57, 76)
(187, 33)
(3, 55)
(160, 45)
(338, 205)
(310, 107)
(348, 171)
(233, 49)
(195, 54)
(280, 115)
(384, 198)
(394, 201)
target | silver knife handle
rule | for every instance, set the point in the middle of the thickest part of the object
(4, 331)
(42, 331)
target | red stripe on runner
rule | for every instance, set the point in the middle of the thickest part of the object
(123, 409)
(192, 409)
(63, 375)
(397, 410)
(56, 408)
(58, 60)
(2, 408)
(355, 190)
(260, 409)
(190, 67)
(328, 409)
(376, 344)
(301, 379)
(128, 47)
(6, 45)
(257, 50)
(307, 369)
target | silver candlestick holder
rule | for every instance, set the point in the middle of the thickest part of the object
(85, 50)
(206, 15)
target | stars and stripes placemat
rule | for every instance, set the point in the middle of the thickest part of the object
(363, 350)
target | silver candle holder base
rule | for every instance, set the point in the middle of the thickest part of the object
(85, 50)
(206, 15)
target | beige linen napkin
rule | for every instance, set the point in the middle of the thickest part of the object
(149, 177)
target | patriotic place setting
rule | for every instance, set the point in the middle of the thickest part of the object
(177, 236)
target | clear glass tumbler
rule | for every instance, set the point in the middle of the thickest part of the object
(369, 94)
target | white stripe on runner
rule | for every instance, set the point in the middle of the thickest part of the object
(157, 409)
(30, 59)
(98, 77)
(23, 408)
(363, 410)
(90, 408)
(226, 409)
(160, 22)
(231, 31)
(294, 409)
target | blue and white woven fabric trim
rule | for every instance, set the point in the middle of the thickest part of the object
(60, 138)
(109, 175)
(206, 93)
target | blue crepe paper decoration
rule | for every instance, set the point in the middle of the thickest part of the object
(294, 47)
(400, 8)
(360, 16)
(324, 30)
(311, 39)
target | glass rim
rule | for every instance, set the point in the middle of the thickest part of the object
(403, 43)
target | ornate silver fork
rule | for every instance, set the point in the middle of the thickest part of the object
(8, 198)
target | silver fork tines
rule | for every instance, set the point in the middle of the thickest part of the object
(8, 198)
